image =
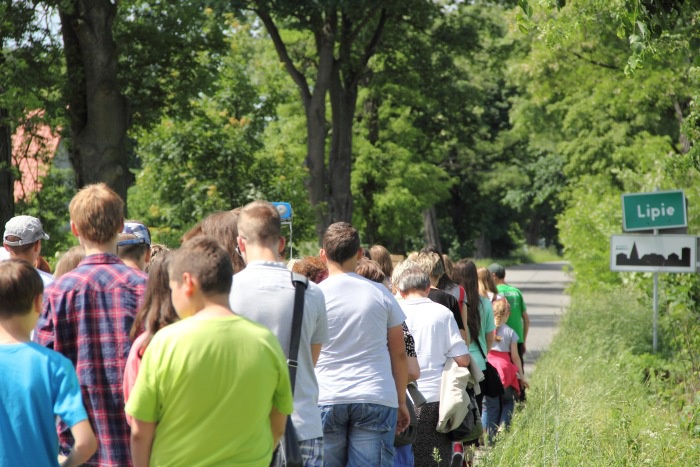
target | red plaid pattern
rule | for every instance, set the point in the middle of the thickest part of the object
(87, 315)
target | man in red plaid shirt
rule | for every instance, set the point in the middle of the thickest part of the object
(87, 315)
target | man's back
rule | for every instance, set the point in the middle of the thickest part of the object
(86, 316)
(355, 366)
(517, 307)
(263, 292)
(210, 384)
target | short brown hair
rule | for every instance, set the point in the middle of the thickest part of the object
(369, 269)
(259, 223)
(97, 212)
(20, 284)
(206, 261)
(69, 260)
(312, 267)
(19, 249)
(341, 242)
(133, 252)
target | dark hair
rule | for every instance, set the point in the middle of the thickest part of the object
(341, 242)
(465, 275)
(223, 227)
(370, 269)
(133, 252)
(206, 261)
(20, 284)
(157, 310)
(259, 222)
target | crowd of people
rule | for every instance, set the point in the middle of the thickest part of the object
(135, 354)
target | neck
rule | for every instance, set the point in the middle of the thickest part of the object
(214, 306)
(414, 294)
(94, 248)
(133, 264)
(260, 253)
(346, 267)
(14, 330)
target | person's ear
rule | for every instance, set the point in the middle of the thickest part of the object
(283, 243)
(74, 229)
(360, 253)
(189, 283)
(38, 302)
(322, 255)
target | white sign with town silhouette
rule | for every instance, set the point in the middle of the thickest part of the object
(653, 253)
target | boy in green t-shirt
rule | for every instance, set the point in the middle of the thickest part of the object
(213, 389)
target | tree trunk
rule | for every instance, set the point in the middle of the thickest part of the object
(7, 195)
(430, 226)
(97, 108)
(343, 105)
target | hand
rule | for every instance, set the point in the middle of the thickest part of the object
(524, 349)
(403, 418)
(524, 383)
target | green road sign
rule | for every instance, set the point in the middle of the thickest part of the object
(655, 210)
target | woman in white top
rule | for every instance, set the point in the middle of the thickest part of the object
(436, 338)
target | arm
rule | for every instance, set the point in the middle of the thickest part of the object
(463, 360)
(526, 328)
(399, 369)
(315, 352)
(142, 434)
(515, 358)
(84, 447)
(413, 369)
(278, 423)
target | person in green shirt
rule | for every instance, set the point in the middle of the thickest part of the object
(519, 321)
(213, 388)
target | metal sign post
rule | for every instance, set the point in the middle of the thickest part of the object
(654, 253)
(285, 210)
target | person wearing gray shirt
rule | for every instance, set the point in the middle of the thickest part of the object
(263, 292)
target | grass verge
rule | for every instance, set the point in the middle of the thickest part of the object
(598, 398)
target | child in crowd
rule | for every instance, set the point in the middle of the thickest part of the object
(134, 245)
(69, 260)
(213, 388)
(37, 384)
(156, 312)
(504, 356)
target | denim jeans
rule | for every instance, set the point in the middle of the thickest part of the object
(358, 435)
(497, 411)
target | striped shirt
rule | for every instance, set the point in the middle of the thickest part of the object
(86, 316)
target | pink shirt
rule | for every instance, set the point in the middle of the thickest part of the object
(133, 363)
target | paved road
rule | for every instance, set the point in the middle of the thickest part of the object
(543, 287)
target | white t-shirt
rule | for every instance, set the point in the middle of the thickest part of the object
(437, 337)
(263, 292)
(355, 367)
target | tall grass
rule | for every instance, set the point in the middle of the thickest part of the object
(596, 397)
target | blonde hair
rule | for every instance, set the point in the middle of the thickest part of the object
(501, 308)
(69, 261)
(97, 212)
(486, 283)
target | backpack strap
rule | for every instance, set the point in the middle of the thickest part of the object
(300, 283)
(461, 298)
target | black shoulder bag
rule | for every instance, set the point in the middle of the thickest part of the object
(492, 387)
(288, 452)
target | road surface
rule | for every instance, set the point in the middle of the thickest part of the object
(543, 287)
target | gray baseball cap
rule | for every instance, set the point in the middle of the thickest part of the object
(27, 228)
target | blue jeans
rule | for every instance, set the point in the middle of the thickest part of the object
(497, 411)
(358, 435)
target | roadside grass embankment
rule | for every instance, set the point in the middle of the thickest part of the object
(599, 398)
